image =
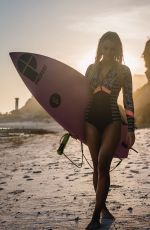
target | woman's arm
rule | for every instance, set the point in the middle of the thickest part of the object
(128, 104)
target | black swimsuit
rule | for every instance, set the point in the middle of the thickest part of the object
(100, 114)
(103, 108)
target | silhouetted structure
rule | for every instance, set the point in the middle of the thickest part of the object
(16, 103)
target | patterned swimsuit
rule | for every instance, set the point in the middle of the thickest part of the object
(103, 108)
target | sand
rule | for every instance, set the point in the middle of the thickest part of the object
(41, 190)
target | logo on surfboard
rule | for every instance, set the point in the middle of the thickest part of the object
(27, 65)
(55, 100)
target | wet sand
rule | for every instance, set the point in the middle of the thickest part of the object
(41, 190)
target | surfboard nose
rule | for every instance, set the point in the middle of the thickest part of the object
(13, 56)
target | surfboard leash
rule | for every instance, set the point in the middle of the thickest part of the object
(121, 160)
(85, 156)
(63, 142)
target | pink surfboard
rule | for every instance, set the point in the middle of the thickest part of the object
(62, 91)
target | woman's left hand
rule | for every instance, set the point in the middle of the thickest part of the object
(131, 139)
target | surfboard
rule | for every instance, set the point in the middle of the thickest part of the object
(62, 91)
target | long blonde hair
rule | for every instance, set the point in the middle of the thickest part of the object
(112, 36)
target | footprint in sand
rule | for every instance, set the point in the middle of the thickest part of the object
(38, 171)
(134, 171)
(130, 176)
(29, 179)
(3, 182)
(16, 192)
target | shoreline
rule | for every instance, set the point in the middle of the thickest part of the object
(29, 127)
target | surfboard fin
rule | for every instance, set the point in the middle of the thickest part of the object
(63, 141)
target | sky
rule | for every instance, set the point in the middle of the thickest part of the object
(67, 30)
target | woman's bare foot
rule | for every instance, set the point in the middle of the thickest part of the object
(106, 214)
(93, 225)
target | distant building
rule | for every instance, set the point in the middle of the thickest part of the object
(16, 103)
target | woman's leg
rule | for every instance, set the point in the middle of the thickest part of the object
(110, 140)
(93, 141)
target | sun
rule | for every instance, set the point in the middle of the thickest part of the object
(85, 61)
(131, 62)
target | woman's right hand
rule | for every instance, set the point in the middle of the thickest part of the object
(130, 139)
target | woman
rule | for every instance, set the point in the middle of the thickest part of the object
(146, 55)
(103, 121)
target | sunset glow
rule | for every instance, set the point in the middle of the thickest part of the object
(132, 62)
(85, 61)
(70, 34)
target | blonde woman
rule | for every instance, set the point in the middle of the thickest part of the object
(103, 120)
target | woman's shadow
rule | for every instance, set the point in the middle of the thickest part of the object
(106, 223)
